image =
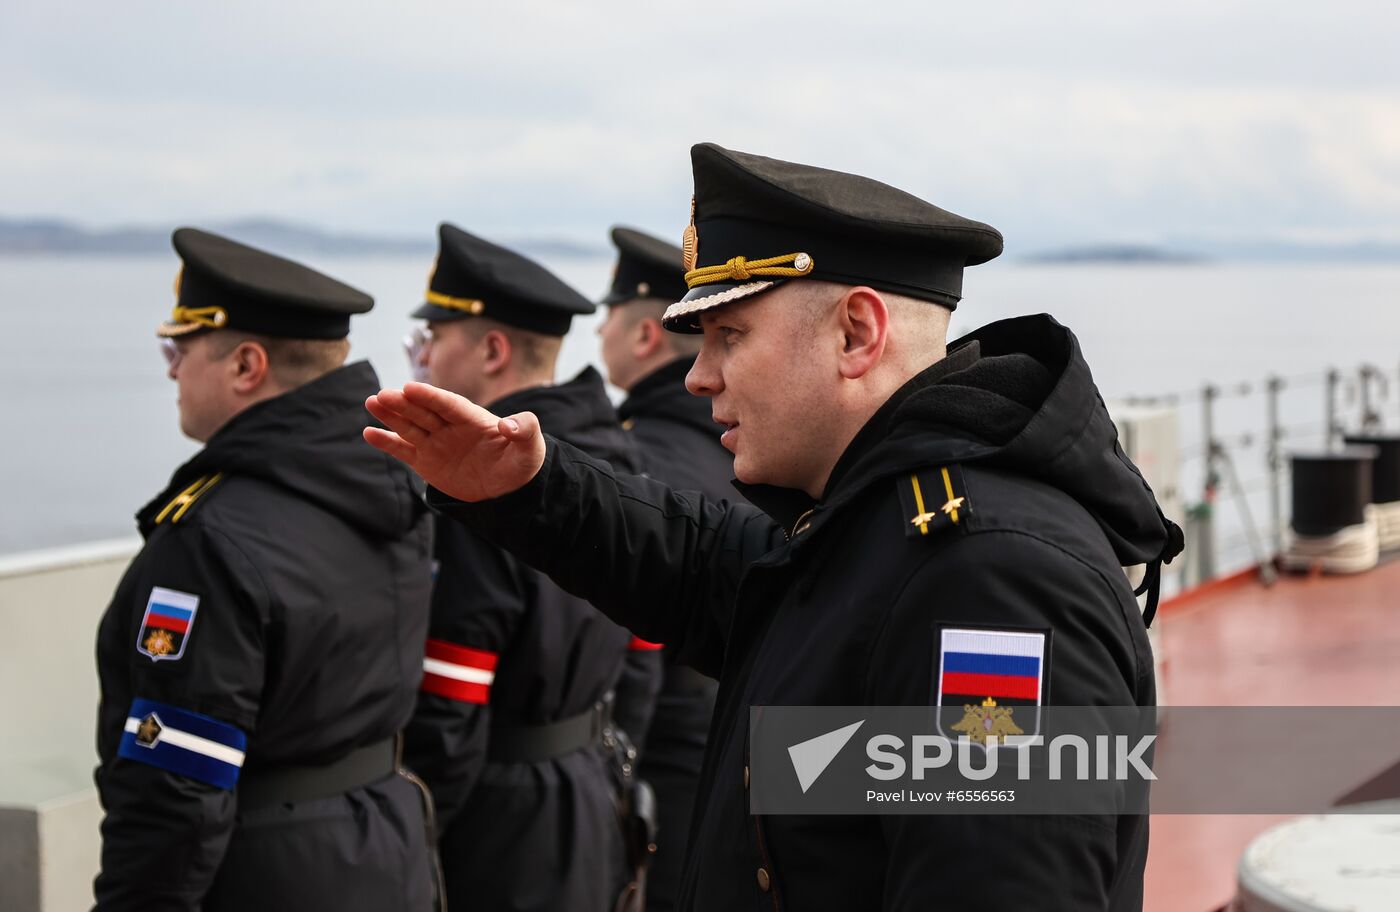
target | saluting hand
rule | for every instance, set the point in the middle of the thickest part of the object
(454, 444)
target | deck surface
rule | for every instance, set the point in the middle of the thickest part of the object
(1305, 641)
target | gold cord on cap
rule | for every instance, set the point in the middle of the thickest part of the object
(466, 305)
(212, 317)
(741, 269)
(185, 320)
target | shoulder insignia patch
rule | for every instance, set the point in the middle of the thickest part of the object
(932, 499)
(166, 625)
(181, 503)
(991, 682)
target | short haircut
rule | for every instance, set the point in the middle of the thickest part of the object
(292, 362)
(533, 352)
(922, 325)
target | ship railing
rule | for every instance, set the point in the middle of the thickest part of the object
(1238, 459)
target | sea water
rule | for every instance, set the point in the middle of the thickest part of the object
(90, 431)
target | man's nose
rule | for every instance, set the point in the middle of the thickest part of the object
(703, 378)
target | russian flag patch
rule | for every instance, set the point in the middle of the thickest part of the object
(179, 741)
(166, 625)
(991, 681)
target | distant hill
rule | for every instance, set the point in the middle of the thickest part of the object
(27, 236)
(1113, 254)
(1187, 251)
(55, 236)
(1267, 250)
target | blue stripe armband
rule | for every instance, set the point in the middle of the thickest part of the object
(183, 742)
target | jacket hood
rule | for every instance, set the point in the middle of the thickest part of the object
(308, 440)
(1018, 395)
(579, 412)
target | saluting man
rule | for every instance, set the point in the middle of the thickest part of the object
(263, 650)
(678, 444)
(915, 501)
(515, 705)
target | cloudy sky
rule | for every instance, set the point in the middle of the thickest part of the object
(1058, 122)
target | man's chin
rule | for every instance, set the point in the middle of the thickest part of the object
(751, 471)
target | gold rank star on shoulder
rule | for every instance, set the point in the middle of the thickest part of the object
(947, 509)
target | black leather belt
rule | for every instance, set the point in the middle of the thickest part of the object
(536, 743)
(683, 679)
(287, 785)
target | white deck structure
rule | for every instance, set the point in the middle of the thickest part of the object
(50, 603)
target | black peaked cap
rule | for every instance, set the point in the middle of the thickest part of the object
(757, 222)
(647, 267)
(476, 278)
(227, 285)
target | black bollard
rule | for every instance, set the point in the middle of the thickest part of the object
(1331, 489)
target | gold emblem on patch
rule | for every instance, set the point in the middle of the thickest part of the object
(952, 505)
(690, 241)
(160, 642)
(148, 731)
(987, 721)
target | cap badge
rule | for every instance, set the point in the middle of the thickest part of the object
(690, 241)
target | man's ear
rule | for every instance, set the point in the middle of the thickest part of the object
(251, 368)
(650, 337)
(496, 352)
(865, 325)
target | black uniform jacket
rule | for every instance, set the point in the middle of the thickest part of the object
(519, 651)
(676, 439)
(275, 618)
(678, 443)
(841, 602)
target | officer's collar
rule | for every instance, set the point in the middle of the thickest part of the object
(787, 506)
(658, 384)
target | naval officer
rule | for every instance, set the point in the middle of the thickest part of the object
(263, 650)
(913, 499)
(513, 727)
